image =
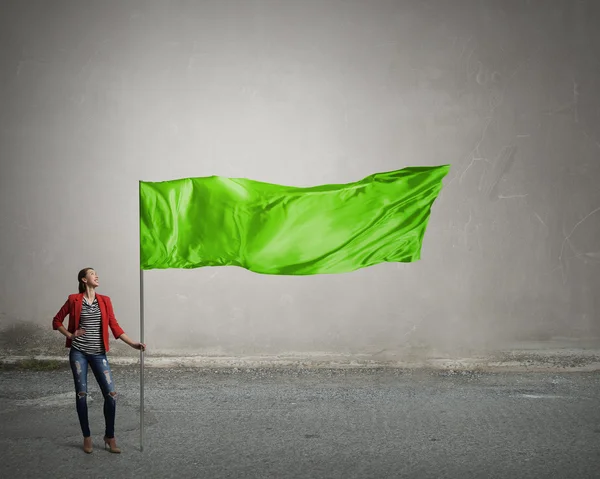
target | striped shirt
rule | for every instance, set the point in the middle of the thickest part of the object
(90, 320)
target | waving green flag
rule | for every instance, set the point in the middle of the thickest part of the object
(286, 230)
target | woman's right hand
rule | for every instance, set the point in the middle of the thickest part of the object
(79, 332)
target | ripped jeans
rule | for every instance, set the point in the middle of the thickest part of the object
(79, 365)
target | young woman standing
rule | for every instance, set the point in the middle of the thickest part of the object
(90, 316)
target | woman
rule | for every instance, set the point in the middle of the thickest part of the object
(90, 316)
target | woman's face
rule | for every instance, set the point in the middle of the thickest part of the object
(91, 278)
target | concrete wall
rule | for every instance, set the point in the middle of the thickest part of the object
(96, 95)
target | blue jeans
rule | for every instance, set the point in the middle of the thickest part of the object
(79, 365)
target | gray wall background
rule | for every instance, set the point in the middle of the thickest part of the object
(97, 95)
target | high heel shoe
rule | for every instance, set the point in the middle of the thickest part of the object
(111, 442)
(87, 445)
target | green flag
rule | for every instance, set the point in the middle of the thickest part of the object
(287, 230)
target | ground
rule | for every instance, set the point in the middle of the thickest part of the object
(307, 423)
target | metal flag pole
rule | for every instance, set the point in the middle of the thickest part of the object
(141, 327)
(141, 360)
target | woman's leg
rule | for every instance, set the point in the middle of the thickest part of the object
(101, 369)
(79, 366)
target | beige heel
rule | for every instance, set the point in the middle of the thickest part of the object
(112, 445)
(87, 445)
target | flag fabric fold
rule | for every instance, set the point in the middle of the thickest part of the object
(287, 230)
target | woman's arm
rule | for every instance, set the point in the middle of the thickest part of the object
(113, 324)
(57, 322)
(60, 317)
(133, 344)
(118, 330)
(63, 330)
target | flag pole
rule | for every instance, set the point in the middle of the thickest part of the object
(141, 360)
(141, 328)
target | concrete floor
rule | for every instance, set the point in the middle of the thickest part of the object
(311, 423)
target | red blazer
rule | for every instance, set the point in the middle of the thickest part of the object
(72, 307)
